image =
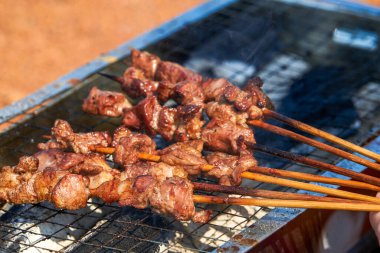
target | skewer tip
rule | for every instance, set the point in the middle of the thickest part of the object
(112, 77)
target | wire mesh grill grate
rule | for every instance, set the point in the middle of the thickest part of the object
(308, 77)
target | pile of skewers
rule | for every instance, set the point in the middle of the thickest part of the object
(208, 125)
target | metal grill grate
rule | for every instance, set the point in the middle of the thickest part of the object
(308, 75)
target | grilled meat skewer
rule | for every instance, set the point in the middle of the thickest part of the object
(69, 179)
(222, 91)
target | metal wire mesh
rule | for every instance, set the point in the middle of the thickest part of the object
(307, 75)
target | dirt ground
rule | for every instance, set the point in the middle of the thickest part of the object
(43, 40)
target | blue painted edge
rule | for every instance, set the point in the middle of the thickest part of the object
(338, 6)
(279, 217)
(64, 83)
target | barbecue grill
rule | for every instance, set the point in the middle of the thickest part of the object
(320, 64)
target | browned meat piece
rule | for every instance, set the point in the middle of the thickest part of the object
(84, 141)
(165, 91)
(185, 154)
(127, 148)
(166, 189)
(213, 89)
(189, 93)
(240, 99)
(57, 159)
(225, 127)
(228, 168)
(70, 193)
(16, 184)
(105, 103)
(119, 133)
(131, 119)
(225, 112)
(175, 73)
(148, 111)
(146, 62)
(45, 182)
(167, 122)
(188, 122)
(173, 196)
(254, 88)
(136, 84)
(202, 216)
(179, 124)
(96, 170)
(139, 168)
(63, 137)
(161, 171)
(222, 136)
(249, 100)
(108, 191)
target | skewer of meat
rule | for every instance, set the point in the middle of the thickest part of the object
(225, 127)
(249, 99)
(289, 183)
(69, 179)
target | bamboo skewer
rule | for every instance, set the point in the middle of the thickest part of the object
(308, 187)
(244, 191)
(314, 143)
(314, 178)
(315, 163)
(285, 182)
(317, 132)
(287, 203)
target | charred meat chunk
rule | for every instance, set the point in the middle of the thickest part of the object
(145, 61)
(223, 136)
(167, 122)
(225, 127)
(136, 85)
(254, 88)
(127, 147)
(213, 89)
(189, 93)
(148, 111)
(228, 168)
(188, 123)
(64, 137)
(105, 103)
(175, 73)
(185, 154)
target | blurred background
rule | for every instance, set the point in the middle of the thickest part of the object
(43, 40)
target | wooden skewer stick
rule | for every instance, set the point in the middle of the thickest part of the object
(245, 191)
(273, 180)
(314, 178)
(287, 203)
(317, 132)
(315, 163)
(314, 143)
(308, 187)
